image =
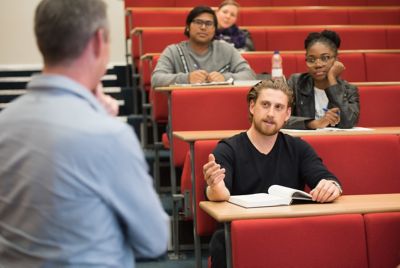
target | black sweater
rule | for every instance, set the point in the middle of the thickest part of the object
(292, 162)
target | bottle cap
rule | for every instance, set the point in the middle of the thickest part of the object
(276, 51)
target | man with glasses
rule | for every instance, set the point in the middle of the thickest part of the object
(322, 99)
(200, 59)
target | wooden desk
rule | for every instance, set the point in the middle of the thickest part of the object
(192, 136)
(226, 212)
(346, 204)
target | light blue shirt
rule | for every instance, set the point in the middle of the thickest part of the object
(74, 184)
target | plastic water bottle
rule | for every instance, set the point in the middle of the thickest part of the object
(277, 71)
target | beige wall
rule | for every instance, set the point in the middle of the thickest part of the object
(17, 45)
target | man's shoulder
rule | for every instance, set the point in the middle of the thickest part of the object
(175, 47)
(293, 142)
(220, 45)
(234, 141)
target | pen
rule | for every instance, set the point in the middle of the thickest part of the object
(326, 109)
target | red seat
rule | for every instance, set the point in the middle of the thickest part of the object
(383, 239)
(288, 38)
(144, 41)
(149, 3)
(393, 38)
(355, 67)
(316, 16)
(379, 106)
(320, 241)
(364, 164)
(207, 109)
(205, 225)
(362, 38)
(260, 17)
(382, 67)
(374, 16)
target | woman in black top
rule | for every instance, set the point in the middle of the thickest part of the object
(227, 29)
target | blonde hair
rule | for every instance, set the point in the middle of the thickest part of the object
(276, 84)
(228, 2)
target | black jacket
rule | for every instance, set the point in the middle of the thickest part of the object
(342, 95)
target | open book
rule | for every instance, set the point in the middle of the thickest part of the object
(277, 196)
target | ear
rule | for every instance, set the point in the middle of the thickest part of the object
(251, 107)
(98, 42)
(288, 113)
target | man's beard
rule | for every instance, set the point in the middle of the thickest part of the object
(270, 131)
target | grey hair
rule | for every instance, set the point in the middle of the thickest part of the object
(64, 27)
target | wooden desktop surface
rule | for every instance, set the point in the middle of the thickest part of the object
(227, 212)
(190, 136)
(241, 85)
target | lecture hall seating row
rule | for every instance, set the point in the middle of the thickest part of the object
(267, 16)
(226, 109)
(361, 66)
(275, 37)
(256, 3)
(353, 240)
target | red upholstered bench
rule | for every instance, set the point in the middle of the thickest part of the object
(320, 241)
(364, 164)
(379, 106)
(207, 109)
(383, 239)
(382, 67)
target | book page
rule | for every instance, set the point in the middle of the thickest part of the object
(288, 192)
(227, 82)
(326, 129)
(259, 200)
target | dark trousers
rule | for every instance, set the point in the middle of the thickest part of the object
(217, 249)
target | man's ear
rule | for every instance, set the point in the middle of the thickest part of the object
(289, 113)
(251, 107)
(99, 40)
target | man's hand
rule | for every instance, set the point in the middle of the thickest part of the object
(108, 102)
(215, 77)
(213, 173)
(214, 176)
(198, 76)
(325, 191)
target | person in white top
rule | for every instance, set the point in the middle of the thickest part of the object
(322, 99)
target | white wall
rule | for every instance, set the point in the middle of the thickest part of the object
(17, 43)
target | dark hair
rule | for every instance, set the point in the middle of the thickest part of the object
(276, 84)
(330, 38)
(64, 27)
(196, 12)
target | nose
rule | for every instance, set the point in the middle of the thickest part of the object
(319, 63)
(270, 111)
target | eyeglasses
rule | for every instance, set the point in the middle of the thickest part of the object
(206, 23)
(324, 59)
